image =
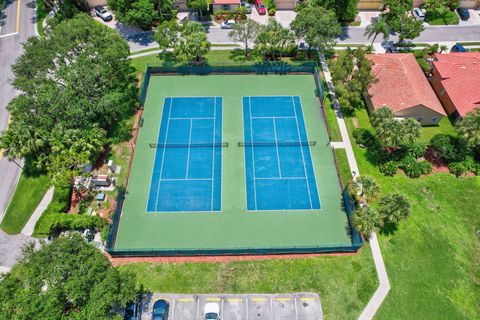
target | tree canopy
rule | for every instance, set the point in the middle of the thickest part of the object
(469, 128)
(317, 26)
(245, 32)
(142, 13)
(392, 132)
(400, 21)
(273, 39)
(76, 85)
(345, 10)
(66, 279)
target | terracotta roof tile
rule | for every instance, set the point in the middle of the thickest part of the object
(401, 83)
(460, 74)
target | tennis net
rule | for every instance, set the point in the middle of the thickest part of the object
(279, 144)
(189, 145)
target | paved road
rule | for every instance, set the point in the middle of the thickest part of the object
(12, 34)
(298, 306)
(351, 35)
(11, 248)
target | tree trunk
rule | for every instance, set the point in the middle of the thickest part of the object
(374, 37)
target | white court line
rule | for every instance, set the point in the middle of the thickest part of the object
(163, 154)
(274, 117)
(303, 157)
(193, 118)
(213, 150)
(276, 147)
(282, 178)
(189, 147)
(186, 179)
(253, 153)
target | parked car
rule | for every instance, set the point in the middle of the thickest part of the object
(391, 49)
(227, 24)
(247, 6)
(160, 310)
(458, 48)
(419, 14)
(131, 311)
(260, 7)
(211, 311)
(103, 13)
(463, 14)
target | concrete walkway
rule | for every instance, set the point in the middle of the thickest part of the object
(30, 225)
(384, 285)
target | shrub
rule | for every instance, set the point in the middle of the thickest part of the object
(414, 168)
(449, 148)
(415, 150)
(457, 168)
(424, 65)
(364, 137)
(389, 168)
(470, 164)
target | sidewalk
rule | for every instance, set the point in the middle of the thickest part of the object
(384, 285)
(30, 225)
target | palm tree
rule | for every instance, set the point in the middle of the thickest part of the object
(469, 128)
(394, 207)
(366, 220)
(378, 25)
(366, 188)
(411, 130)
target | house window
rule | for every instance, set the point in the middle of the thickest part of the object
(420, 119)
(435, 119)
(225, 7)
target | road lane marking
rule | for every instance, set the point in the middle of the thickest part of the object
(283, 299)
(8, 34)
(18, 16)
(185, 300)
(234, 300)
(258, 299)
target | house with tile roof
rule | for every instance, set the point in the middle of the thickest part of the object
(403, 87)
(456, 80)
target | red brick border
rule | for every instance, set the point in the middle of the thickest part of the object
(217, 259)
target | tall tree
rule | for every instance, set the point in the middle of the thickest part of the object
(66, 279)
(411, 130)
(469, 128)
(200, 5)
(167, 35)
(192, 43)
(345, 10)
(246, 32)
(366, 220)
(78, 78)
(400, 21)
(378, 26)
(273, 39)
(366, 188)
(317, 26)
(394, 207)
(141, 13)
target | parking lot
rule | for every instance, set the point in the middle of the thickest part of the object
(298, 306)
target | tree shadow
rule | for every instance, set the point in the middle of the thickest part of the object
(389, 229)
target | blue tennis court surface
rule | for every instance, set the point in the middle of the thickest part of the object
(187, 168)
(279, 167)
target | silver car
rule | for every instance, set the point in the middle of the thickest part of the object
(419, 14)
(103, 13)
(247, 6)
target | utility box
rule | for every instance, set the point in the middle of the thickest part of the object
(112, 167)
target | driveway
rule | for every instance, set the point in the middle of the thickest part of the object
(11, 248)
(285, 17)
(255, 16)
(474, 19)
(297, 306)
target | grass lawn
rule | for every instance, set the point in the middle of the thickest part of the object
(28, 194)
(344, 167)
(344, 283)
(440, 16)
(331, 118)
(433, 259)
(445, 127)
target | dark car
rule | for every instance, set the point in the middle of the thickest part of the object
(160, 310)
(458, 48)
(463, 14)
(131, 311)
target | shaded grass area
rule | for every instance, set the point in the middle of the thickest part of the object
(344, 168)
(433, 258)
(28, 194)
(444, 127)
(344, 283)
(331, 118)
(441, 16)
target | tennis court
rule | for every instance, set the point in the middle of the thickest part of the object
(278, 163)
(187, 167)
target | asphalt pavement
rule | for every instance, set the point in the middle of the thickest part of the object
(17, 23)
(297, 306)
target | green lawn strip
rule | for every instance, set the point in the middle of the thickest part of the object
(40, 29)
(444, 127)
(344, 283)
(433, 258)
(440, 16)
(350, 45)
(343, 166)
(28, 194)
(331, 118)
(466, 44)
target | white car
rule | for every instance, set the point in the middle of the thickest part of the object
(211, 311)
(247, 6)
(103, 13)
(419, 14)
(227, 24)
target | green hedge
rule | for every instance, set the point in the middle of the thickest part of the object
(53, 219)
